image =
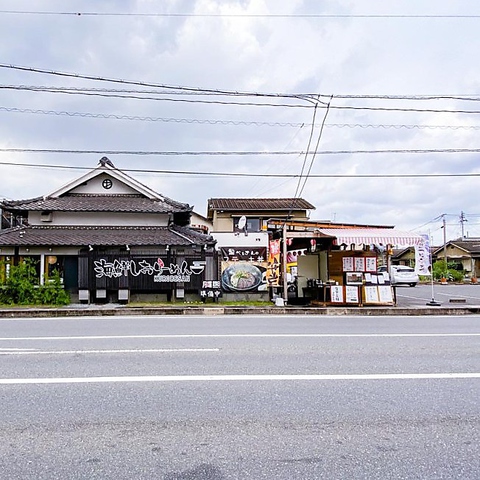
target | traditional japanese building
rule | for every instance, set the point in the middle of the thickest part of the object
(111, 238)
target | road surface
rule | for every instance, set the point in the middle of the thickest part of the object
(211, 398)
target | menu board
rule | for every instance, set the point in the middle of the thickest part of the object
(359, 264)
(371, 264)
(351, 294)
(371, 295)
(385, 293)
(347, 264)
(336, 294)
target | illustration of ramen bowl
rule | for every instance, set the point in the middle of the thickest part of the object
(242, 276)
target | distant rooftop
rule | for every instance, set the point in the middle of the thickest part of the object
(256, 204)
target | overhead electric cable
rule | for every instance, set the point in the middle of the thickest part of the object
(249, 174)
(239, 15)
(231, 122)
(151, 119)
(402, 109)
(168, 99)
(320, 134)
(305, 97)
(312, 130)
(239, 153)
(187, 91)
(154, 85)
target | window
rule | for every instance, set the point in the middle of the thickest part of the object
(252, 225)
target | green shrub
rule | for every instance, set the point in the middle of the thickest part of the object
(21, 287)
(52, 292)
(449, 270)
(21, 284)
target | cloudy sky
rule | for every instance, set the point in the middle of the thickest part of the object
(217, 98)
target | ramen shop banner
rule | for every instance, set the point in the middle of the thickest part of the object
(244, 269)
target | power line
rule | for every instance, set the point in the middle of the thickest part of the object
(232, 122)
(319, 137)
(249, 174)
(152, 119)
(399, 126)
(465, 97)
(403, 109)
(106, 94)
(170, 91)
(206, 91)
(235, 15)
(140, 95)
(239, 153)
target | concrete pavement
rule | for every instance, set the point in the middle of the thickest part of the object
(212, 309)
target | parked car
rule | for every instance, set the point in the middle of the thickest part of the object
(401, 275)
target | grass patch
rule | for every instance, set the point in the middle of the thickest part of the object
(240, 303)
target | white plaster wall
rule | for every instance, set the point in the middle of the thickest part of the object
(257, 239)
(95, 186)
(198, 220)
(223, 224)
(101, 219)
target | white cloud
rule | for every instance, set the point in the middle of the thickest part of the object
(325, 55)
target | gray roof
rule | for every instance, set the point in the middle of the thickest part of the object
(471, 246)
(101, 236)
(98, 203)
(245, 204)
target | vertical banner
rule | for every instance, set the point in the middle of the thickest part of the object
(273, 267)
(422, 256)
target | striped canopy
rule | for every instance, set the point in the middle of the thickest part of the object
(373, 236)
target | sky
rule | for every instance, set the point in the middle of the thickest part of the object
(368, 110)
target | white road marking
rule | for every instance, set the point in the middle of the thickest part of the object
(75, 352)
(246, 335)
(236, 378)
(17, 349)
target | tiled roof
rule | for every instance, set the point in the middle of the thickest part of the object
(101, 236)
(244, 204)
(98, 203)
(471, 246)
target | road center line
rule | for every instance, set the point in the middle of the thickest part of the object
(75, 352)
(244, 335)
(236, 378)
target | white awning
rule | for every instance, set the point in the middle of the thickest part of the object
(373, 236)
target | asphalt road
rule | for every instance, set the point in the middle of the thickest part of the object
(447, 295)
(213, 398)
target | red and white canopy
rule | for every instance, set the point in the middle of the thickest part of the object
(373, 236)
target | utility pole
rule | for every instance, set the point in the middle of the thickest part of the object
(284, 272)
(444, 226)
(462, 223)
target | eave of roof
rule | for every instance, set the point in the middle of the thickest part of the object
(468, 246)
(258, 204)
(98, 203)
(79, 236)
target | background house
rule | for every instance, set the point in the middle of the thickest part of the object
(404, 256)
(111, 238)
(464, 252)
(240, 228)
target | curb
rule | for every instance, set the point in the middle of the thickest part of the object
(232, 310)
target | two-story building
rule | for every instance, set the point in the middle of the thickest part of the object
(240, 227)
(111, 238)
